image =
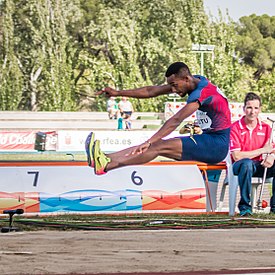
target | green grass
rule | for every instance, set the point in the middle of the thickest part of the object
(138, 222)
(151, 126)
(147, 118)
(44, 156)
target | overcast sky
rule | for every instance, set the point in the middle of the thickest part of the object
(239, 8)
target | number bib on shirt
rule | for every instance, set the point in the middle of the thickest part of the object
(203, 119)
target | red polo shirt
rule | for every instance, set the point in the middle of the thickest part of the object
(244, 139)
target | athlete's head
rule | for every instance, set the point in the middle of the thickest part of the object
(177, 68)
(179, 77)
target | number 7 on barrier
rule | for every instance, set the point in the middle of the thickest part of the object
(36, 174)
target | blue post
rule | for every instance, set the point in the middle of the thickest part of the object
(120, 123)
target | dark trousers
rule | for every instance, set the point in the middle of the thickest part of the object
(245, 169)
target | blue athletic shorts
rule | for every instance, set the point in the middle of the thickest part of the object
(210, 147)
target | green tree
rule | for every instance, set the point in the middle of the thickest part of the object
(225, 69)
(56, 54)
(127, 45)
(45, 53)
(11, 78)
(256, 42)
(256, 48)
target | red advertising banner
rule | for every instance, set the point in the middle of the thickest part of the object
(25, 140)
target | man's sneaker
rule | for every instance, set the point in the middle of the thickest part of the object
(100, 159)
(245, 212)
(89, 148)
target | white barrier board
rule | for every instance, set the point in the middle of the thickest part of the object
(110, 141)
(61, 188)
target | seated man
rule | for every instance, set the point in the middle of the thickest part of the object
(249, 140)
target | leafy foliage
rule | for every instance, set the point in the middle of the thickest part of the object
(40, 44)
(56, 53)
(11, 78)
(256, 42)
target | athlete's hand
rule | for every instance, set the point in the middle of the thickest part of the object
(197, 130)
(140, 149)
(191, 128)
(108, 92)
(186, 129)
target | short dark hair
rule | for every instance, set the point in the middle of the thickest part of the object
(252, 96)
(176, 68)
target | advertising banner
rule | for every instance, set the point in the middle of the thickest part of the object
(25, 140)
(110, 141)
(172, 108)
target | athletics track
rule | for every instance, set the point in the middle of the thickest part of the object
(198, 251)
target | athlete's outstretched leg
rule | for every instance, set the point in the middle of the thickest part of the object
(171, 148)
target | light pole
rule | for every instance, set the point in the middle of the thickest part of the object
(202, 49)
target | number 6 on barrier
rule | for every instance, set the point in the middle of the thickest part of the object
(137, 180)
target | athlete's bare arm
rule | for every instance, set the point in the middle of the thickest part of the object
(144, 92)
(172, 123)
(168, 127)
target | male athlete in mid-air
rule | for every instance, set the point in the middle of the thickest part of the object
(213, 115)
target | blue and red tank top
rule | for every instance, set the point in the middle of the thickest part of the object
(214, 113)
